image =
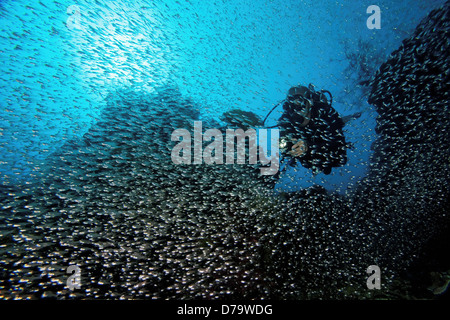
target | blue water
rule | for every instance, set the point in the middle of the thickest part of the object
(59, 60)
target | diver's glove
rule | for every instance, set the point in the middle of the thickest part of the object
(299, 149)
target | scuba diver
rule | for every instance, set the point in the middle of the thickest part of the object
(311, 131)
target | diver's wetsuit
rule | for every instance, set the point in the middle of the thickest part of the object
(323, 135)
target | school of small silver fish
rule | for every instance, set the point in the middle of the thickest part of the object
(140, 227)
